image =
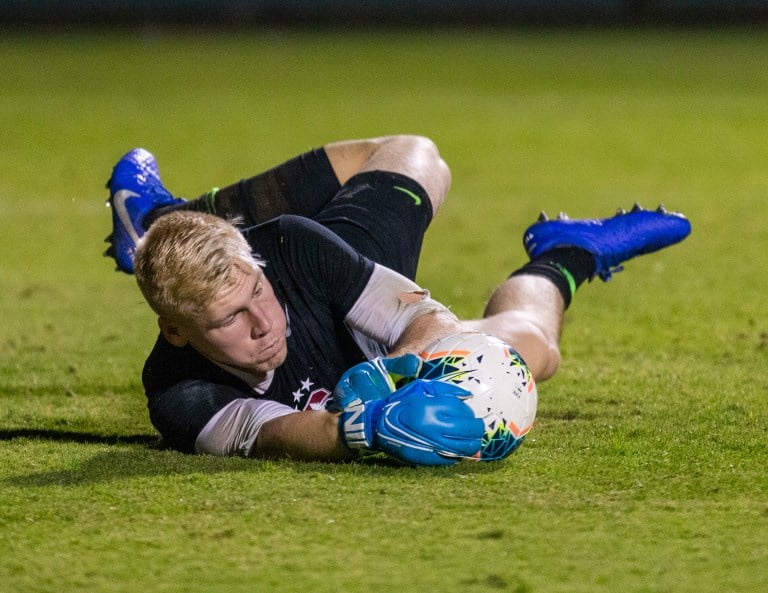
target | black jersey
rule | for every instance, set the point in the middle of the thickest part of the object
(317, 278)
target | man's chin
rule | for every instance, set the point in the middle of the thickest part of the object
(271, 363)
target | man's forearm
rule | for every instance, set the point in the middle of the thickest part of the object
(308, 435)
(424, 330)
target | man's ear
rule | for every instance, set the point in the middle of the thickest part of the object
(171, 332)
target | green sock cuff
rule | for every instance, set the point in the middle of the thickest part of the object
(568, 276)
(210, 200)
(567, 268)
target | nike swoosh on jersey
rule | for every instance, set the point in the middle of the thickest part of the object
(118, 203)
(409, 193)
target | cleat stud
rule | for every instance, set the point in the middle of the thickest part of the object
(637, 208)
(543, 217)
(662, 209)
(562, 216)
(620, 211)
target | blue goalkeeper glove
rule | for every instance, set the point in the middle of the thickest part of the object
(374, 379)
(423, 423)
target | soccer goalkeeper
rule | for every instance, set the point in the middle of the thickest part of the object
(311, 301)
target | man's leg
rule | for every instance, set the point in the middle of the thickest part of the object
(306, 183)
(417, 158)
(527, 310)
(303, 185)
(300, 186)
(384, 209)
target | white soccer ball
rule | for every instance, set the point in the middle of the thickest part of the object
(503, 390)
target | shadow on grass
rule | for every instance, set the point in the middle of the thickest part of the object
(120, 463)
(151, 459)
(71, 436)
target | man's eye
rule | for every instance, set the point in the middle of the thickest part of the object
(225, 322)
(258, 290)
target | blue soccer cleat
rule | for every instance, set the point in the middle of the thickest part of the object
(135, 189)
(611, 241)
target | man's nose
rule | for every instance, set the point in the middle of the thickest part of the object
(261, 322)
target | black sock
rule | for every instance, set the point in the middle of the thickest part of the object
(301, 186)
(566, 267)
(204, 203)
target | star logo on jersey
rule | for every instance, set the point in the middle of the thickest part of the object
(316, 398)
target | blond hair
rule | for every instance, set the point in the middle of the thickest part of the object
(186, 259)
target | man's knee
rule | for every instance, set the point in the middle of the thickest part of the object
(430, 169)
(416, 157)
(540, 351)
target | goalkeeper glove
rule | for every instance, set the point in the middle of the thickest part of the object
(374, 379)
(423, 423)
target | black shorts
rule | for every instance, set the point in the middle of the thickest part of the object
(382, 215)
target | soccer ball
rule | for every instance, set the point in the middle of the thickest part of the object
(503, 391)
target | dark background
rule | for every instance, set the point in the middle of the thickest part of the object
(376, 13)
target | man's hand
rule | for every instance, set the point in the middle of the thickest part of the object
(374, 379)
(423, 423)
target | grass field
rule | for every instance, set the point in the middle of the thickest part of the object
(647, 470)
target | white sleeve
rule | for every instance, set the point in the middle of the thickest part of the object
(388, 305)
(234, 428)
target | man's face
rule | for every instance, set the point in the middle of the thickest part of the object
(243, 327)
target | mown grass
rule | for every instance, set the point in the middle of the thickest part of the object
(646, 470)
